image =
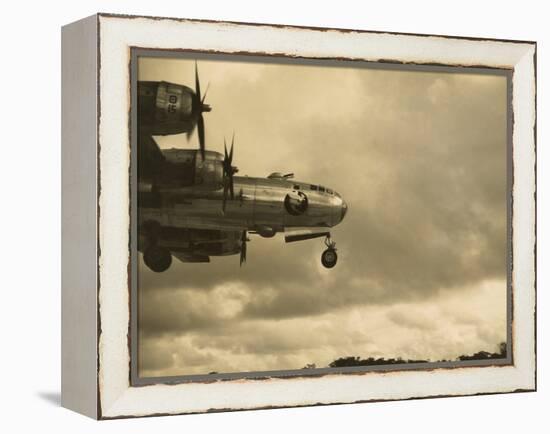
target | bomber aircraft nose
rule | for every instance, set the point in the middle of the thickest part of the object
(344, 209)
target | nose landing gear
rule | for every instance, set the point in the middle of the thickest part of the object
(329, 256)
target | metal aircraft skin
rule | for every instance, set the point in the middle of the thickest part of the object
(192, 206)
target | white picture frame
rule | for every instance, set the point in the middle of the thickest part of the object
(96, 276)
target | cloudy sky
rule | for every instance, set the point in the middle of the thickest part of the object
(420, 158)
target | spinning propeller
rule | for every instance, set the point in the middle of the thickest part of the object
(228, 171)
(244, 240)
(199, 107)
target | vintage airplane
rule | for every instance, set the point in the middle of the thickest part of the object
(168, 108)
(192, 206)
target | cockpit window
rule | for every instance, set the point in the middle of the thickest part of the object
(321, 188)
(313, 187)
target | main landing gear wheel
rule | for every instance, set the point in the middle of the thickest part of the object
(157, 258)
(329, 256)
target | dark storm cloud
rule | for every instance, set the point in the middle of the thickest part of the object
(419, 157)
(443, 327)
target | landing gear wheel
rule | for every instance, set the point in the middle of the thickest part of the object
(329, 258)
(157, 258)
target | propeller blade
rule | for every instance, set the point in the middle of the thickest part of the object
(189, 133)
(200, 125)
(225, 174)
(231, 168)
(244, 240)
(205, 92)
(228, 171)
(197, 82)
(224, 197)
(225, 156)
(231, 151)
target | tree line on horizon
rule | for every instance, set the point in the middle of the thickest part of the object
(371, 361)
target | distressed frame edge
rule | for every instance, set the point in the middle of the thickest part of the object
(530, 50)
(306, 27)
(79, 270)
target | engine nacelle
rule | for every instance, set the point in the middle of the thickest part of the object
(209, 172)
(188, 168)
(166, 108)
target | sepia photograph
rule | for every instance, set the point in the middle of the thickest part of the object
(298, 216)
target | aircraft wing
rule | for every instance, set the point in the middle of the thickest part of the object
(305, 233)
(150, 157)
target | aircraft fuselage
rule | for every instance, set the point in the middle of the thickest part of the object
(259, 204)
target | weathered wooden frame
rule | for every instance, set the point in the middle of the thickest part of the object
(96, 260)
